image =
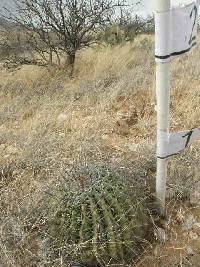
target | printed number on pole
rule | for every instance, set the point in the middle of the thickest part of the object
(175, 31)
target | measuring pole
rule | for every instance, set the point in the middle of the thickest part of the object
(163, 103)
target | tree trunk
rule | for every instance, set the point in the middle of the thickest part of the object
(71, 60)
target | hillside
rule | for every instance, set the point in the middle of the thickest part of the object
(2, 22)
(104, 116)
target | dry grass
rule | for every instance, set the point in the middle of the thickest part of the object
(105, 115)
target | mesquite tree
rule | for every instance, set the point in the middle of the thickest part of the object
(63, 25)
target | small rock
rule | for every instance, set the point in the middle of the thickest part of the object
(189, 222)
(62, 117)
(160, 234)
(104, 136)
(189, 251)
(6, 156)
(193, 235)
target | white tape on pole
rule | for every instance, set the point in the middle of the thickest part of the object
(177, 142)
(179, 35)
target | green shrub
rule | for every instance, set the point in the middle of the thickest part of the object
(113, 35)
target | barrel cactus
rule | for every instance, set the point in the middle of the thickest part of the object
(104, 222)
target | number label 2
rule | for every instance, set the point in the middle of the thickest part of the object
(193, 16)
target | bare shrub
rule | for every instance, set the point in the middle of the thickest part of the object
(56, 26)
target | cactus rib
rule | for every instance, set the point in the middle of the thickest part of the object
(110, 233)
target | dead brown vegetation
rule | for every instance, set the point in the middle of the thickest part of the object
(105, 115)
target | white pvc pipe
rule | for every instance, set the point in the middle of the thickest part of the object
(163, 103)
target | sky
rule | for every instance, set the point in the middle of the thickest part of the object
(144, 9)
(147, 6)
